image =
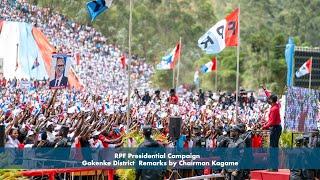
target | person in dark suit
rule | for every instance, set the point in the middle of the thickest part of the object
(149, 174)
(60, 80)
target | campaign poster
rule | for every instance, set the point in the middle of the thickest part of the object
(59, 72)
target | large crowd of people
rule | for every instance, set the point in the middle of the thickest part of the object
(38, 117)
(100, 70)
(96, 117)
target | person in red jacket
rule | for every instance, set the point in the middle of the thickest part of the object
(274, 121)
(274, 125)
(173, 98)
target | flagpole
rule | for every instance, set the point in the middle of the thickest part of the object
(216, 83)
(178, 72)
(129, 65)
(293, 67)
(310, 75)
(238, 59)
(173, 72)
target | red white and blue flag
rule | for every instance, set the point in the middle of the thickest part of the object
(223, 34)
(305, 68)
(210, 66)
(169, 61)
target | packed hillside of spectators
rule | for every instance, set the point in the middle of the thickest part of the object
(100, 68)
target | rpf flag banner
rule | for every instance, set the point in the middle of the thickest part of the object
(223, 34)
(96, 7)
(289, 54)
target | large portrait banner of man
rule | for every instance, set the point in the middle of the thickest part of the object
(59, 72)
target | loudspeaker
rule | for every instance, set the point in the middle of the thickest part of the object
(175, 127)
(2, 136)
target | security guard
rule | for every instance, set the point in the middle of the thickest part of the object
(245, 135)
(248, 154)
(149, 174)
(235, 142)
(198, 140)
(223, 140)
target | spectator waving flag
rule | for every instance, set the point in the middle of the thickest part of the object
(170, 60)
(35, 64)
(304, 69)
(210, 66)
(223, 34)
(96, 7)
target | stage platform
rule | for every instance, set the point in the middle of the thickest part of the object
(282, 174)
